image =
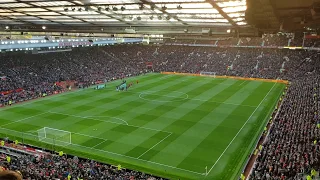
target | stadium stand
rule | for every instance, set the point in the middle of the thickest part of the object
(289, 152)
(46, 166)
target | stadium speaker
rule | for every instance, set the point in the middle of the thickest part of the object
(21, 33)
(90, 40)
(46, 38)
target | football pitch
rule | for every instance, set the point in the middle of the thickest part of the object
(168, 125)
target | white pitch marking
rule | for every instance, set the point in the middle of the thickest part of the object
(154, 145)
(23, 119)
(242, 83)
(148, 92)
(87, 135)
(64, 93)
(222, 102)
(187, 97)
(120, 119)
(165, 77)
(108, 121)
(122, 155)
(240, 130)
(98, 144)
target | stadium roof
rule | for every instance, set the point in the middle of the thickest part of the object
(135, 13)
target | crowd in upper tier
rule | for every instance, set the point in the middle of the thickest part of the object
(289, 151)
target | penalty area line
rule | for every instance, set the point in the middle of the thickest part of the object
(242, 83)
(239, 131)
(23, 119)
(154, 146)
(151, 162)
(93, 147)
(109, 121)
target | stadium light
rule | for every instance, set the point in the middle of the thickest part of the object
(228, 31)
(86, 8)
(179, 7)
(141, 6)
(7, 27)
(159, 17)
(107, 8)
(123, 8)
(138, 18)
(168, 18)
(44, 27)
(99, 9)
(80, 9)
(164, 8)
(151, 17)
(65, 9)
(115, 8)
(152, 7)
(73, 9)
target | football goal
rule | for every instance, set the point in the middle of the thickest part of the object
(212, 74)
(54, 136)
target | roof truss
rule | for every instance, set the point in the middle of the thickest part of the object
(205, 13)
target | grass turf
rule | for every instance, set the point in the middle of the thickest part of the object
(168, 125)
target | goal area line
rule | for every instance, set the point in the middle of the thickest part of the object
(230, 77)
(36, 138)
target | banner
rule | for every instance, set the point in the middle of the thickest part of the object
(11, 91)
(3, 78)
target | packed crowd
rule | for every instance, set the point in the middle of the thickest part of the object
(288, 151)
(266, 40)
(34, 75)
(55, 167)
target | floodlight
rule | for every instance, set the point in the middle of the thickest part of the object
(141, 6)
(159, 17)
(179, 7)
(151, 17)
(99, 9)
(123, 8)
(115, 8)
(86, 8)
(168, 18)
(73, 9)
(7, 27)
(65, 9)
(138, 18)
(80, 9)
(107, 8)
(152, 6)
(164, 8)
(44, 27)
(228, 31)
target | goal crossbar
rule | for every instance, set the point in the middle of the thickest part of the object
(54, 136)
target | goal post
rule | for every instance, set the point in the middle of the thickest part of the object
(54, 136)
(211, 74)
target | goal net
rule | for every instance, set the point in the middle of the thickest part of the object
(212, 74)
(54, 136)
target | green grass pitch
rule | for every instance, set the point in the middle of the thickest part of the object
(168, 125)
